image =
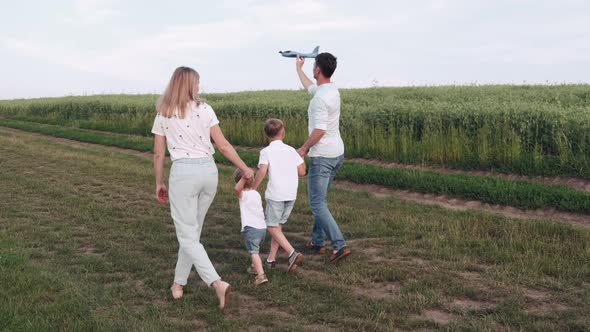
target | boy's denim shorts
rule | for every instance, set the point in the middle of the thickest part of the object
(253, 238)
(277, 212)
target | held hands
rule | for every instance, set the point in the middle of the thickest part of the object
(299, 62)
(303, 151)
(162, 194)
(247, 173)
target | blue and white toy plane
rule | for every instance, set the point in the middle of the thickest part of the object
(293, 54)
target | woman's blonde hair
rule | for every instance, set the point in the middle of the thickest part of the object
(181, 91)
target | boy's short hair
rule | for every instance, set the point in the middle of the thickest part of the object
(327, 63)
(238, 177)
(272, 127)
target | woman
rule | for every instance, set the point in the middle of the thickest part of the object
(186, 124)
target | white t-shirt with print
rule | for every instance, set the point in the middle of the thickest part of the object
(251, 211)
(189, 137)
(283, 177)
(324, 113)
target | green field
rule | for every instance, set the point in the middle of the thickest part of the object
(530, 130)
(489, 189)
(84, 246)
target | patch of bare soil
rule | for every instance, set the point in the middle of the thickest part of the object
(317, 328)
(374, 254)
(248, 306)
(541, 304)
(536, 294)
(90, 249)
(375, 241)
(195, 324)
(462, 205)
(471, 276)
(464, 304)
(295, 235)
(546, 309)
(437, 316)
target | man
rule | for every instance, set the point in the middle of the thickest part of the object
(326, 151)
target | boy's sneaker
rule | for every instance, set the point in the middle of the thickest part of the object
(343, 252)
(315, 249)
(296, 259)
(261, 279)
(270, 265)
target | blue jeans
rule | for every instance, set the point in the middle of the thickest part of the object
(321, 173)
(253, 237)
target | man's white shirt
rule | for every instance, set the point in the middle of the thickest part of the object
(324, 113)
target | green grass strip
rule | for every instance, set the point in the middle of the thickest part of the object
(488, 189)
(138, 143)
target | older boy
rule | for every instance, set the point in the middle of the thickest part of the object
(284, 166)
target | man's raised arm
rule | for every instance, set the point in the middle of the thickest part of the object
(304, 79)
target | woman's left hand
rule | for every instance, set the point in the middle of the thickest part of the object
(162, 194)
(247, 173)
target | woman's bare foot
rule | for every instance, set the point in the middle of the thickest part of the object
(222, 290)
(177, 291)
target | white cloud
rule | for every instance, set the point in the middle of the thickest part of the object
(194, 42)
(94, 12)
(102, 37)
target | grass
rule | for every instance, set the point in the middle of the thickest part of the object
(494, 190)
(488, 189)
(84, 246)
(530, 130)
(118, 140)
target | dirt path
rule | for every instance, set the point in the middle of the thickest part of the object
(383, 191)
(463, 205)
(575, 183)
(74, 142)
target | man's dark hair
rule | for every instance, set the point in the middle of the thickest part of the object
(326, 62)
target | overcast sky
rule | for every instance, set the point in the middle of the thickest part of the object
(73, 47)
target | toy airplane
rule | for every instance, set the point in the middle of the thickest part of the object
(293, 54)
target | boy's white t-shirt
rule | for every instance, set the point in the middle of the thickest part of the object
(251, 211)
(283, 177)
(189, 137)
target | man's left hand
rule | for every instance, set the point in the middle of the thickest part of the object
(302, 151)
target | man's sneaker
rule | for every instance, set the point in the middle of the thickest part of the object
(296, 259)
(261, 279)
(343, 252)
(315, 249)
(270, 265)
(251, 269)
